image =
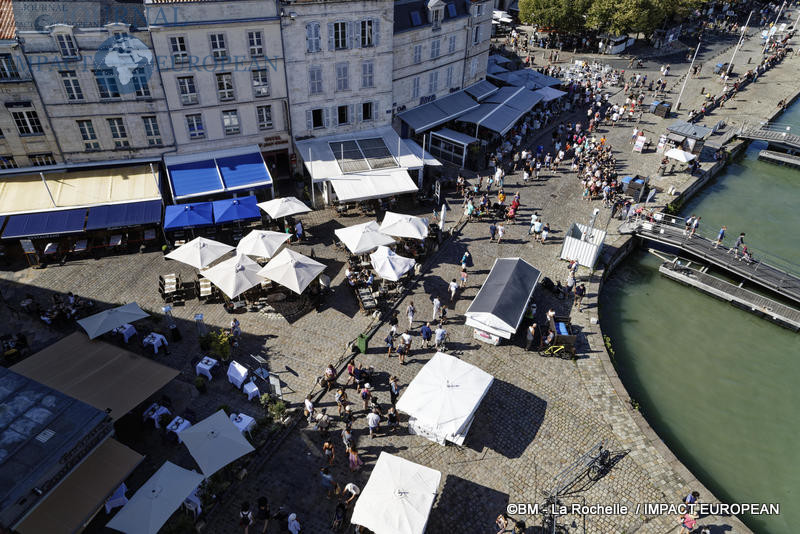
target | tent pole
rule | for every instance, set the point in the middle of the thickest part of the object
(163, 204)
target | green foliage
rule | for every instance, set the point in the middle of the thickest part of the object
(200, 384)
(219, 343)
(559, 15)
(225, 408)
(277, 409)
(610, 350)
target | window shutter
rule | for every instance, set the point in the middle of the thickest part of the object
(376, 31)
(309, 120)
(360, 116)
(375, 110)
(330, 36)
(350, 33)
(309, 36)
(357, 35)
(351, 113)
(327, 121)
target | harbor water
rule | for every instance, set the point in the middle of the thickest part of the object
(718, 384)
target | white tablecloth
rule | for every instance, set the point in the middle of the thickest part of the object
(154, 412)
(243, 422)
(178, 425)
(192, 502)
(155, 340)
(117, 499)
(251, 390)
(204, 367)
(127, 331)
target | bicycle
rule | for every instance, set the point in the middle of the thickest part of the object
(600, 464)
(559, 351)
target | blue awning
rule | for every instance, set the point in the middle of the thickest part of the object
(236, 209)
(188, 215)
(122, 215)
(194, 178)
(45, 223)
(245, 170)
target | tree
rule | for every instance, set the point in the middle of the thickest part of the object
(560, 15)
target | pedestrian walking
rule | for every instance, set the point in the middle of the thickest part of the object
(406, 339)
(443, 315)
(580, 292)
(545, 233)
(436, 305)
(531, 335)
(347, 436)
(351, 367)
(391, 419)
(720, 236)
(410, 310)
(688, 226)
(463, 278)
(695, 226)
(341, 400)
(389, 340)
(534, 218)
(308, 409)
(739, 242)
(294, 525)
(440, 336)
(453, 287)
(492, 231)
(354, 461)
(394, 389)
(329, 452)
(262, 512)
(350, 492)
(466, 260)
(330, 485)
(245, 517)
(373, 421)
(426, 334)
(502, 523)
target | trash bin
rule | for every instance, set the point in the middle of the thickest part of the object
(654, 105)
(361, 343)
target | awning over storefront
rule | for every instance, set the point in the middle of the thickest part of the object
(500, 117)
(518, 98)
(481, 90)
(455, 137)
(548, 93)
(123, 215)
(236, 209)
(188, 215)
(365, 186)
(432, 114)
(194, 175)
(430, 160)
(687, 129)
(528, 78)
(58, 190)
(45, 223)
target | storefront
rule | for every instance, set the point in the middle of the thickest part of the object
(450, 145)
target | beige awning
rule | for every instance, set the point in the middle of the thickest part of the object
(27, 193)
(100, 374)
(76, 499)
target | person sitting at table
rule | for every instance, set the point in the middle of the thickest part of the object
(547, 341)
(370, 280)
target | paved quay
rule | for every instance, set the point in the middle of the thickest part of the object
(538, 418)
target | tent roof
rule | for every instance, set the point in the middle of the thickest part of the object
(500, 303)
(482, 89)
(98, 373)
(361, 238)
(456, 137)
(686, 129)
(215, 442)
(517, 98)
(529, 78)
(107, 320)
(432, 114)
(548, 93)
(369, 185)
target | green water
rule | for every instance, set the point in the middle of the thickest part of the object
(719, 385)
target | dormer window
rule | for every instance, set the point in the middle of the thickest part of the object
(65, 41)
(436, 9)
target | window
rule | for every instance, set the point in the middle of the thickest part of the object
(187, 90)
(367, 111)
(180, 54)
(416, 20)
(315, 80)
(415, 88)
(436, 18)
(260, 83)
(342, 115)
(194, 125)
(8, 68)
(139, 79)
(230, 122)
(367, 74)
(476, 35)
(264, 116)
(118, 133)
(473, 67)
(27, 122)
(449, 82)
(225, 86)
(256, 42)
(418, 54)
(452, 46)
(7, 162)
(40, 160)
(478, 10)
(66, 45)
(88, 135)
(317, 118)
(367, 27)
(339, 35)
(435, 46)
(451, 10)
(151, 130)
(313, 39)
(433, 82)
(443, 149)
(342, 77)
(218, 49)
(71, 85)
(106, 83)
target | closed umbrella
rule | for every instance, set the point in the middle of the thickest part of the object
(262, 243)
(215, 442)
(292, 270)
(235, 275)
(106, 321)
(199, 252)
(283, 207)
(680, 155)
(389, 265)
(363, 238)
(399, 225)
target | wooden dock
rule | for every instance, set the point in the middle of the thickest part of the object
(767, 308)
(780, 158)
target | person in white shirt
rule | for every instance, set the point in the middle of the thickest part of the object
(352, 490)
(374, 421)
(436, 305)
(439, 336)
(309, 406)
(453, 290)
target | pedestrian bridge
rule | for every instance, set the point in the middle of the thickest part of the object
(776, 134)
(774, 274)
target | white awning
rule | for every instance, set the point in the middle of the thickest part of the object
(430, 161)
(380, 184)
(455, 137)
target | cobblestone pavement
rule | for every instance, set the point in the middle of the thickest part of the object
(539, 416)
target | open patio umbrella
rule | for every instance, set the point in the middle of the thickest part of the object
(680, 155)
(262, 243)
(199, 252)
(106, 321)
(236, 209)
(389, 265)
(292, 270)
(283, 207)
(399, 225)
(234, 276)
(188, 215)
(215, 442)
(397, 498)
(156, 500)
(362, 238)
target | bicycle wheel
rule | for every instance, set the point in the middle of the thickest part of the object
(595, 472)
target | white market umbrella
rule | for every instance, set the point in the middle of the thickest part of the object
(199, 252)
(105, 321)
(363, 238)
(235, 275)
(291, 269)
(262, 243)
(215, 442)
(680, 155)
(399, 225)
(389, 265)
(397, 498)
(156, 500)
(445, 394)
(283, 207)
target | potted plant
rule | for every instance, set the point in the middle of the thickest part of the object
(200, 383)
(277, 409)
(264, 400)
(205, 342)
(220, 344)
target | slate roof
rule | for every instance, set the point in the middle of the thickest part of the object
(404, 20)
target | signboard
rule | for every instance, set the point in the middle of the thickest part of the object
(640, 141)
(27, 246)
(486, 337)
(662, 144)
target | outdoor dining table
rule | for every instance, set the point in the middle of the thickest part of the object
(127, 331)
(205, 366)
(178, 425)
(243, 422)
(193, 503)
(154, 412)
(251, 390)
(155, 340)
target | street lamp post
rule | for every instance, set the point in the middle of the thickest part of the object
(774, 26)
(739, 44)
(686, 79)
